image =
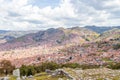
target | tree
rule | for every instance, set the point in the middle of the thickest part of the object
(6, 67)
(23, 70)
(27, 70)
(49, 65)
(31, 70)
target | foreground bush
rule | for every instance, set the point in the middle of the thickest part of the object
(27, 70)
(49, 65)
(114, 66)
(31, 70)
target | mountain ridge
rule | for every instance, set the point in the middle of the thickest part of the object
(101, 29)
(53, 37)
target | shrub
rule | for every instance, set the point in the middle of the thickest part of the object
(71, 65)
(114, 66)
(27, 70)
(31, 70)
(49, 65)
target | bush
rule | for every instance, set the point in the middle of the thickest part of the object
(23, 70)
(71, 65)
(27, 70)
(31, 70)
(49, 65)
(114, 66)
(83, 66)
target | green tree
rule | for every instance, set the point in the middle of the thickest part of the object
(23, 70)
(31, 70)
(27, 70)
(49, 65)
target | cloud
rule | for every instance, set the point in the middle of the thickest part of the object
(36, 14)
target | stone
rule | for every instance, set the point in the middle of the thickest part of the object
(31, 76)
(16, 73)
(48, 71)
(24, 77)
(1, 78)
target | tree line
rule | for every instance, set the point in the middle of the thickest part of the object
(6, 67)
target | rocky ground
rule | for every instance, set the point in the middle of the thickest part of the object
(78, 74)
(94, 74)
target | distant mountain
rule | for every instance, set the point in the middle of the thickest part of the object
(8, 38)
(9, 35)
(53, 37)
(3, 31)
(15, 34)
(101, 29)
(59, 36)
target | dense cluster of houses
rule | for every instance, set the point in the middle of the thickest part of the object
(87, 53)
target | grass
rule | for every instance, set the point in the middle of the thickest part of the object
(12, 78)
(43, 76)
(48, 77)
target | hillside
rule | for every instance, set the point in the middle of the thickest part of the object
(52, 37)
(113, 34)
(96, 53)
(7, 35)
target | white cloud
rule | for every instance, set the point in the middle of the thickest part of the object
(112, 3)
(21, 15)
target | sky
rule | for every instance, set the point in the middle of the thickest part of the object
(44, 14)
